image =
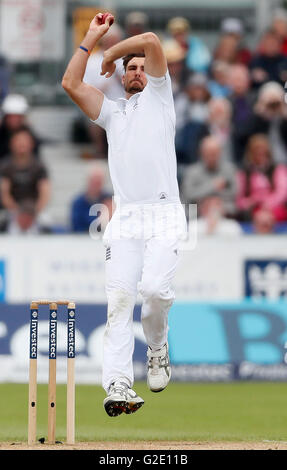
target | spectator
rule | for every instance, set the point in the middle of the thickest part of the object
(242, 102)
(22, 175)
(218, 84)
(94, 194)
(261, 184)
(226, 49)
(220, 125)
(269, 64)
(210, 176)
(263, 222)
(14, 109)
(279, 27)
(269, 118)
(192, 104)
(212, 220)
(191, 108)
(176, 66)
(241, 96)
(234, 27)
(23, 221)
(136, 23)
(197, 57)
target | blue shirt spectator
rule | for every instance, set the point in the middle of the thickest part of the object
(218, 83)
(94, 194)
(197, 57)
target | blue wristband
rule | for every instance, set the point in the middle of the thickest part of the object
(85, 49)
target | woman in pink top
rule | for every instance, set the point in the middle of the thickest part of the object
(261, 183)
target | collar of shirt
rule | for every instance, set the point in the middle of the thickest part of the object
(124, 104)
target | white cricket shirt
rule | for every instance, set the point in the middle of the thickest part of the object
(140, 133)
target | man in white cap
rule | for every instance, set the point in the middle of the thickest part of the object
(14, 109)
(234, 27)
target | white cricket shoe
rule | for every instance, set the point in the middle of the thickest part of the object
(121, 399)
(159, 371)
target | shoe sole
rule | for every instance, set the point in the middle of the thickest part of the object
(132, 407)
(115, 408)
(158, 390)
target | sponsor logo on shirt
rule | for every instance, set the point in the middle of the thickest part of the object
(163, 196)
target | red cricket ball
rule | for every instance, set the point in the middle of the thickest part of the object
(104, 17)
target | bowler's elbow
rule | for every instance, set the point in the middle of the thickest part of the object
(69, 83)
(66, 84)
(151, 38)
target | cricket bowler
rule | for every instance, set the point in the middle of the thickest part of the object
(143, 255)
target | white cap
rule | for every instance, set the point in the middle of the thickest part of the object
(15, 104)
(232, 25)
(271, 91)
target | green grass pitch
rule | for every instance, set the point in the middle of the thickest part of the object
(184, 411)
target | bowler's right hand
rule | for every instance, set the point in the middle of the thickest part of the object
(96, 25)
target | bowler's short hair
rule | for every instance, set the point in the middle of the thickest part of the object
(129, 57)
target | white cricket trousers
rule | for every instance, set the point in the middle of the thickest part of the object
(133, 265)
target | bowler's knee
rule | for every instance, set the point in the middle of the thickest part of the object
(149, 288)
(154, 289)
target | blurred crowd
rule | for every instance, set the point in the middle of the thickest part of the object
(231, 132)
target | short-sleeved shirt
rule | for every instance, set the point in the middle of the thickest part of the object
(140, 133)
(24, 181)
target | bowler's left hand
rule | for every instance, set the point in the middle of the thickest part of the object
(108, 66)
